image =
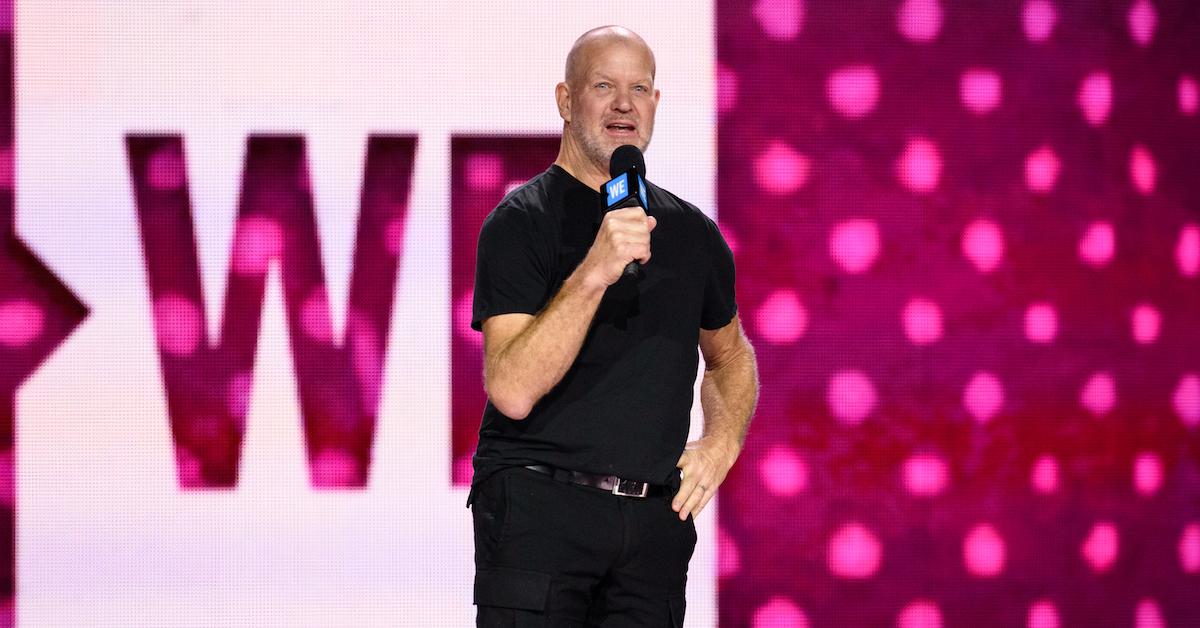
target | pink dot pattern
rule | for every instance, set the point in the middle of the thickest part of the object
(853, 91)
(920, 614)
(1147, 473)
(920, 20)
(1044, 475)
(1143, 19)
(984, 551)
(922, 321)
(1098, 244)
(984, 396)
(1142, 169)
(1041, 323)
(1187, 400)
(1148, 615)
(854, 552)
(1038, 18)
(781, 318)
(779, 612)
(1187, 250)
(920, 166)
(779, 19)
(996, 245)
(983, 245)
(780, 169)
(1043, 614)
(925, 475)
(1041, 169)
(854, 244)
(1095, 98)
(21, 322)
(980, 90)
(1145, 323)
(179, 323)
(1188, 95)
(851, 396)
(1099, 394)
(1189, 548)
(1100, 547)
(783, 472)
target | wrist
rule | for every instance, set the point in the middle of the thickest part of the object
(588, 281)
(728, 446)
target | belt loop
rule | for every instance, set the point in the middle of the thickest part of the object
(562, 475)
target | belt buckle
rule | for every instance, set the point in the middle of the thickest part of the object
(618, 490)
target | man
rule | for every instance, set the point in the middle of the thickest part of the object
(584, 493)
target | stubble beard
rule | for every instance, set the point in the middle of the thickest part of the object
(597, 150)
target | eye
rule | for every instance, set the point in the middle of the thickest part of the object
(640, 88)
(602, 85)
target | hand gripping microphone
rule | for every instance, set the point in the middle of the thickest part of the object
(627, 188)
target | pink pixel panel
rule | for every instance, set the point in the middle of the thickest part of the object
(968, 240)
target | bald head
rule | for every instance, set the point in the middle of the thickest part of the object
(597, 39)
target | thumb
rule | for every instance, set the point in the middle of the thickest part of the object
(651, 221)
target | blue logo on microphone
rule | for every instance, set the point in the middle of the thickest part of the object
(617, 189)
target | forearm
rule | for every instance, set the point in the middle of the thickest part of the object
(728, 395)
(535, 360)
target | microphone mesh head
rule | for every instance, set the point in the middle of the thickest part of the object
(624, 158)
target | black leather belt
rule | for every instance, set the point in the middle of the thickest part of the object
(609, 483)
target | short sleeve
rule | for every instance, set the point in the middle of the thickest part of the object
(511, 275)
(719, 303)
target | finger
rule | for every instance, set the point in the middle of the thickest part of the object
(686, 488)
(682, 499)
(630, 213)
(693, 501)
(651, 222)
(708, 495)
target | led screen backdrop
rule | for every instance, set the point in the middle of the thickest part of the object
(238, 244)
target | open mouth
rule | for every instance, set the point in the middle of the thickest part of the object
(621, 128)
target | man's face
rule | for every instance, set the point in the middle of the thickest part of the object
(613, 101)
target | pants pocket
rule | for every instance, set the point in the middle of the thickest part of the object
(489, 513)
(505, 587)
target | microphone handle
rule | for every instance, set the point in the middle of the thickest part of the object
(631, 269)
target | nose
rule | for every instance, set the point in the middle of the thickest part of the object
(622, 103)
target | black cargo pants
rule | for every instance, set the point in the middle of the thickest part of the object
(551, 554)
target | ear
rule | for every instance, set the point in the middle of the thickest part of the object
(562, 95)
(657, 95)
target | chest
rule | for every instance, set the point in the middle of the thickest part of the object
(666, 297)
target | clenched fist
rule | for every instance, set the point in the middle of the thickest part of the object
(624, 237)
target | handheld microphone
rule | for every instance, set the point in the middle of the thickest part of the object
(627, 188)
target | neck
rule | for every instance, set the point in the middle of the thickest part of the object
(572, 159)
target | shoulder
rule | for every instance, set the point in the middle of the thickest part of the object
(662, 199)
(665, 202)
(523, 206)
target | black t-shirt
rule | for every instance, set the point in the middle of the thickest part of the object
(623, 406)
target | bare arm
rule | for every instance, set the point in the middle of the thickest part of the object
(728, 394)
(525, 356)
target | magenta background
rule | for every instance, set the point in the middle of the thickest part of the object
(782, 559)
